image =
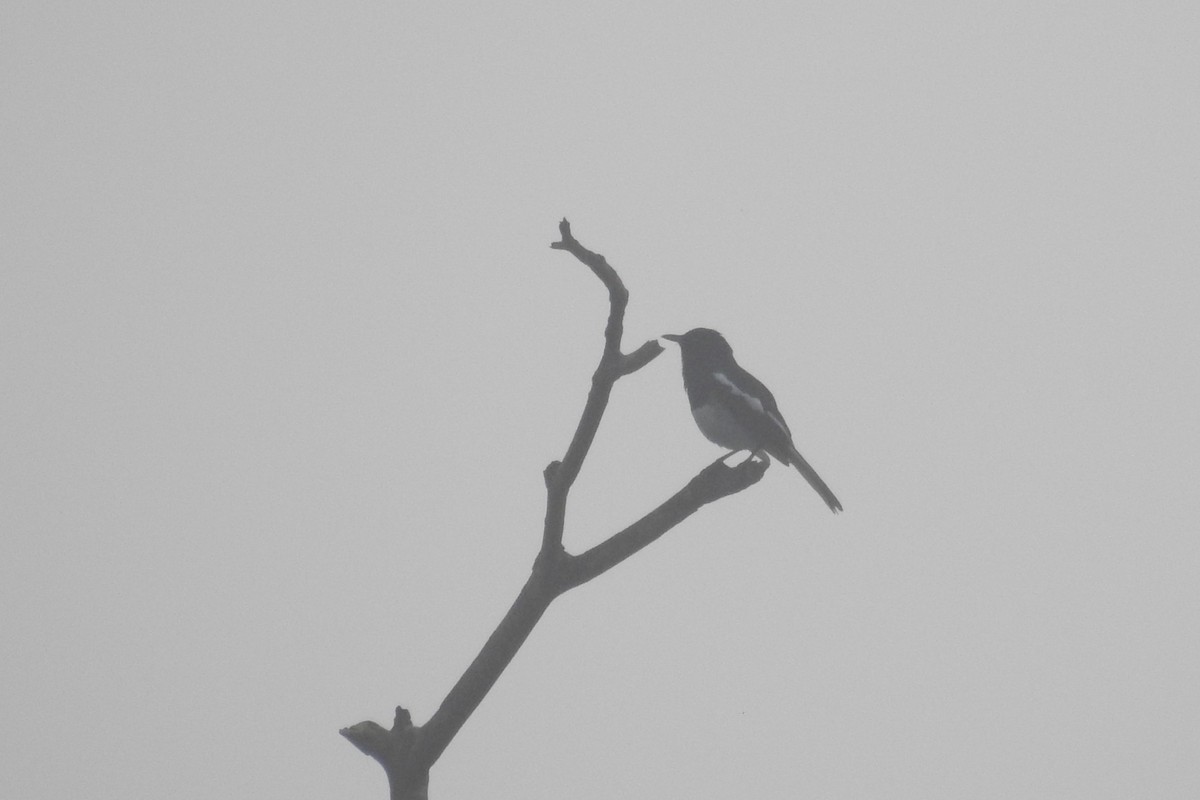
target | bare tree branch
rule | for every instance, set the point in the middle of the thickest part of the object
(613, 365)
(407, 778)
(407, 752)
(716, 481)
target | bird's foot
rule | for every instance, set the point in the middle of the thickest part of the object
(754, 455)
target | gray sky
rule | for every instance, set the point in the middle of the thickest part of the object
(285, 351)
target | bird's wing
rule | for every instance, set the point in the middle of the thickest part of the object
(754, 407)
(756, 410)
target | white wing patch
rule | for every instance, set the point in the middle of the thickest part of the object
(750, 399)
(753, 402)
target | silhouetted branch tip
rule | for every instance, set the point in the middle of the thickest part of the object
(402, 720)
(719, 479)
(632, 362)
(618, 294)
(369, 737)
(567, 240)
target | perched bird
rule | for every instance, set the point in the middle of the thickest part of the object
(733, 409)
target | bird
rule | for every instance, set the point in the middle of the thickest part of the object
(733, 409)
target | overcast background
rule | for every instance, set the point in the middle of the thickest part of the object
(284, 352)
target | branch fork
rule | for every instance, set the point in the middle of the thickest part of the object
(407, 752)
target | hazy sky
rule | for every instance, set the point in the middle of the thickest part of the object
(284, 352)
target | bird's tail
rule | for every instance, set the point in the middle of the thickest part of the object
(814, 480)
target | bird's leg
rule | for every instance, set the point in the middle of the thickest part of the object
(725, 458)
(755, 455)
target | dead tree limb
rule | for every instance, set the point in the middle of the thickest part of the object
(407, 752)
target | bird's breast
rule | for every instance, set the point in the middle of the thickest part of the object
(720, 426)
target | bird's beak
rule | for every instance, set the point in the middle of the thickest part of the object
(672, 337)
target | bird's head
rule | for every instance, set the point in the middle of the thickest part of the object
(701, 344)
